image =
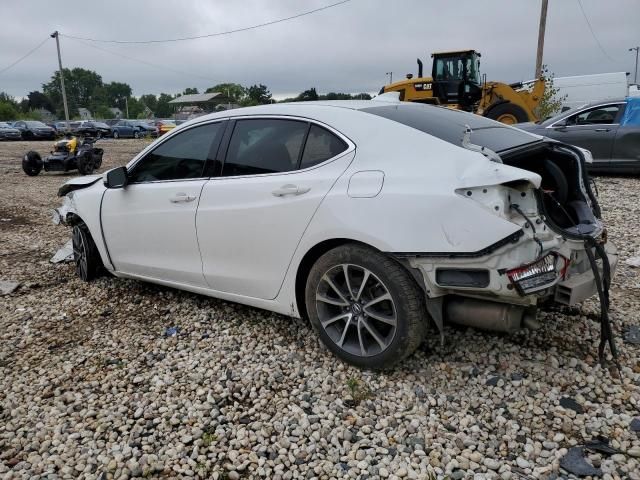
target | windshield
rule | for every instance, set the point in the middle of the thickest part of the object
(449, 125)
(101, 125)
(35, 124)
(452, 68)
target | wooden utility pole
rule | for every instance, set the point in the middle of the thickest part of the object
(64, 93)
(543, 24)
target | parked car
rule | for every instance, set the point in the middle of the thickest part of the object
(61, 126)
(442, 211)
(165, 126)
(602, 129)
(145, 128)
(7, 132)
(125, 129)
(94, 129)
(34, 130)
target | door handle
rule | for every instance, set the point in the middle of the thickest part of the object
(290, 190)
(182, 198)
(602, 129)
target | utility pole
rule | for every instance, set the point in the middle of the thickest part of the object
(543, 24)
(390, 76)
(635, 77)
(64, 93)
(126, 105)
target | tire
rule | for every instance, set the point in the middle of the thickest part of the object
(86, 165)
(373, 335)
(116, 134)
(85, 253)
(32, 163)
(27, 135)
(507, 113)
(136, 134)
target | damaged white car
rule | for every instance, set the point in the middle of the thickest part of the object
(373, 219)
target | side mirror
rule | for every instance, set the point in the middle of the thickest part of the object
(116, 178)
(560, 124)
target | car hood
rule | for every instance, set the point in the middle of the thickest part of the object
(78, 183)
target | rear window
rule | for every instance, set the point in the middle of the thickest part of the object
(449, 125)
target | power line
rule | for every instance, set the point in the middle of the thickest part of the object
(594, 33)
(228, 32)
(155, 65)
(24, 56)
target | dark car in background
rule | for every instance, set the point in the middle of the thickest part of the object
(93, 129)
(34, 130)
(603, 128)
(125, 129)
(7, 132)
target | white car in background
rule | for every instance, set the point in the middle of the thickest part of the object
(372, 219)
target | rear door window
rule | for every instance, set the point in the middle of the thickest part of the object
(321, 145)
(264, 145)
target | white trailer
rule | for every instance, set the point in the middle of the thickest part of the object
(580, 89)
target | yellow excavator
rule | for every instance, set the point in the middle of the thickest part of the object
(455, 83)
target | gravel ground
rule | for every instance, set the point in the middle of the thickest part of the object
(90, 386)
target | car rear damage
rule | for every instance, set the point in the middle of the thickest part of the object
(559, 253)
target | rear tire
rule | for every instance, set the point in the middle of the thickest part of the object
(85, 253)
(507, 113)
(32, 163)
(86, 165)
(365, 307)
(116, 134)
(136, 134)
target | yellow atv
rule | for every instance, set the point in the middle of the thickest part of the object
(455, 83)
(66, 155)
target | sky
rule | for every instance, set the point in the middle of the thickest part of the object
(346, 48)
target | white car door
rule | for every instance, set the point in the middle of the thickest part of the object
(251, 218)
(149, 225)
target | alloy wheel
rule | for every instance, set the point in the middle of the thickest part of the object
(356, 310)
(80, 253)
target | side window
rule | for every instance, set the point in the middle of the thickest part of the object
(595, 116)
(321, 145)
(264, 146)
(181, 157)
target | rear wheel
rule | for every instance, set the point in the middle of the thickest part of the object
(86, 165)
(116, 134)
(85, 253)
(136, 134)
(365, 307)
(508, 113)
(32, 163)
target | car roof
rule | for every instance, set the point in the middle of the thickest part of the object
(584, 106)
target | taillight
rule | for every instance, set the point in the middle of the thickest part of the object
(539, 274)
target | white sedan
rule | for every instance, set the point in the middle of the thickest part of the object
(373, 219)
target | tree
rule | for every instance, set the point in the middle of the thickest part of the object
(116, 93)
(37, 99)
(83, 87)
(190, 91)
(163, 108)
(258, 95)
(150, 101)
(550, 103)
(233, 91)
(7, 111)
(308, 95)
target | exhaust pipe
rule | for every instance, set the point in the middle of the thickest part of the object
(419, 68)
(487, 315)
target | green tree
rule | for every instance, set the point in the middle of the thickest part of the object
(163, 108)
(116, 93)
(308, 95)
(150, 101)
(102, 112)
(550, 103)
(190, 91)
(257, 95)
(235, 92)
(7, 111)
(37, 99)
(84, 88)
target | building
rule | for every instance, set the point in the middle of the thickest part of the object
(116, 112)
(191, 106)
(84, 113)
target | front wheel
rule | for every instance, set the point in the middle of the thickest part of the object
(508, 113)
(85, 253)
(365, 307)
(116, 134)
(136, 134)
(32, 163)
(86, 165)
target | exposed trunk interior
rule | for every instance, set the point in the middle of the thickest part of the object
(565, 196)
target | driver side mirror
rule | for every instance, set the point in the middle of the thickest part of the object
(116, 178)
(561, 124)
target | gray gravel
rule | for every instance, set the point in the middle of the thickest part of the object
(91, 387)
